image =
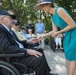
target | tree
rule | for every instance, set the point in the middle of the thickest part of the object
(23, 11)
(70, 5)
(26, 10)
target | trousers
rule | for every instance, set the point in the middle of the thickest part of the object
(39, 65)
(42, 41)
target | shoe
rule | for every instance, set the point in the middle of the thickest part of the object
(53, 74)
(56, 48)
(61, 48)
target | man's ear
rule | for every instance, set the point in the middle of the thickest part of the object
(2, 18)
(11, 12)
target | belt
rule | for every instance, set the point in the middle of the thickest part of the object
(39, 33)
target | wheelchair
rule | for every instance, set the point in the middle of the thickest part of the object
(13, 68)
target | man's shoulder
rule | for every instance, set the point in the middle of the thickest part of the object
(1, 27)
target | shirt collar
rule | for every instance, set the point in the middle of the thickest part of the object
(14, 29)
(6, 27)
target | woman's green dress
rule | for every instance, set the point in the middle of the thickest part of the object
(69, 42)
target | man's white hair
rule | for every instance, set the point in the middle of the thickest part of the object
(1, 16)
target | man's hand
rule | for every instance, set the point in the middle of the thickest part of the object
(33, 40)
(34, 52)
(11, 13)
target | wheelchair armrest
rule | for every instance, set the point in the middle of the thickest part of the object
(12, 55)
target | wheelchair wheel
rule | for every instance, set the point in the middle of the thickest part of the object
(8, 69)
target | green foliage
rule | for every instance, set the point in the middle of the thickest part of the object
(70, 5)
(47, 22)
(24, 11)
(47, 40)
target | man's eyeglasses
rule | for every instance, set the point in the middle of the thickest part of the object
(17, 24)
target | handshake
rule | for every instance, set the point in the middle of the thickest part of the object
(34, 52)
(34, 40)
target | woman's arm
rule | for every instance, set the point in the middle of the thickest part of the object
(62, 13)
(54, 29)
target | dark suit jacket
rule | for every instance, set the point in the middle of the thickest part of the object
(8, 44)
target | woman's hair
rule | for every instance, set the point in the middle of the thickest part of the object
(51, 4)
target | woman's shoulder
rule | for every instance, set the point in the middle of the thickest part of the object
(59, 9)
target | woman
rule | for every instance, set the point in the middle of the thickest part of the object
(31, 35)
(58, 40)
(61, 18)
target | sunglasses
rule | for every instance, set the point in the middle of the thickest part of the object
(30, 31)
(17, 25)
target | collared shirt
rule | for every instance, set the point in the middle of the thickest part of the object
(20, 45)
(6, 27)
(40, 28)
(25, 35)
(20, 37)
(31, 35)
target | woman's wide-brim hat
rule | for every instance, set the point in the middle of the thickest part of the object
(40, 3)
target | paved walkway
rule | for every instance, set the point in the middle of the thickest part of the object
(56, 60)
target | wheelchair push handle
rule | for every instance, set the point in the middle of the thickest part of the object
(12, 55)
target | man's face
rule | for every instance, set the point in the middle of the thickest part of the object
(23, 31)
(39, 21)
(7, 20)
(29, 21)
(30, 31)
(0, 3)
(16, 27)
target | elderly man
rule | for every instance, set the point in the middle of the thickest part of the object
(10, 44)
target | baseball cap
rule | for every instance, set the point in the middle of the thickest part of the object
(1, 0)
(23, 28)
(5, 12)
(16, 23)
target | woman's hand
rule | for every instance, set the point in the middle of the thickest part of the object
(55, 34)
(41, 37)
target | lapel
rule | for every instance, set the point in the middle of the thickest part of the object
(6, 32)
(4, 29)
